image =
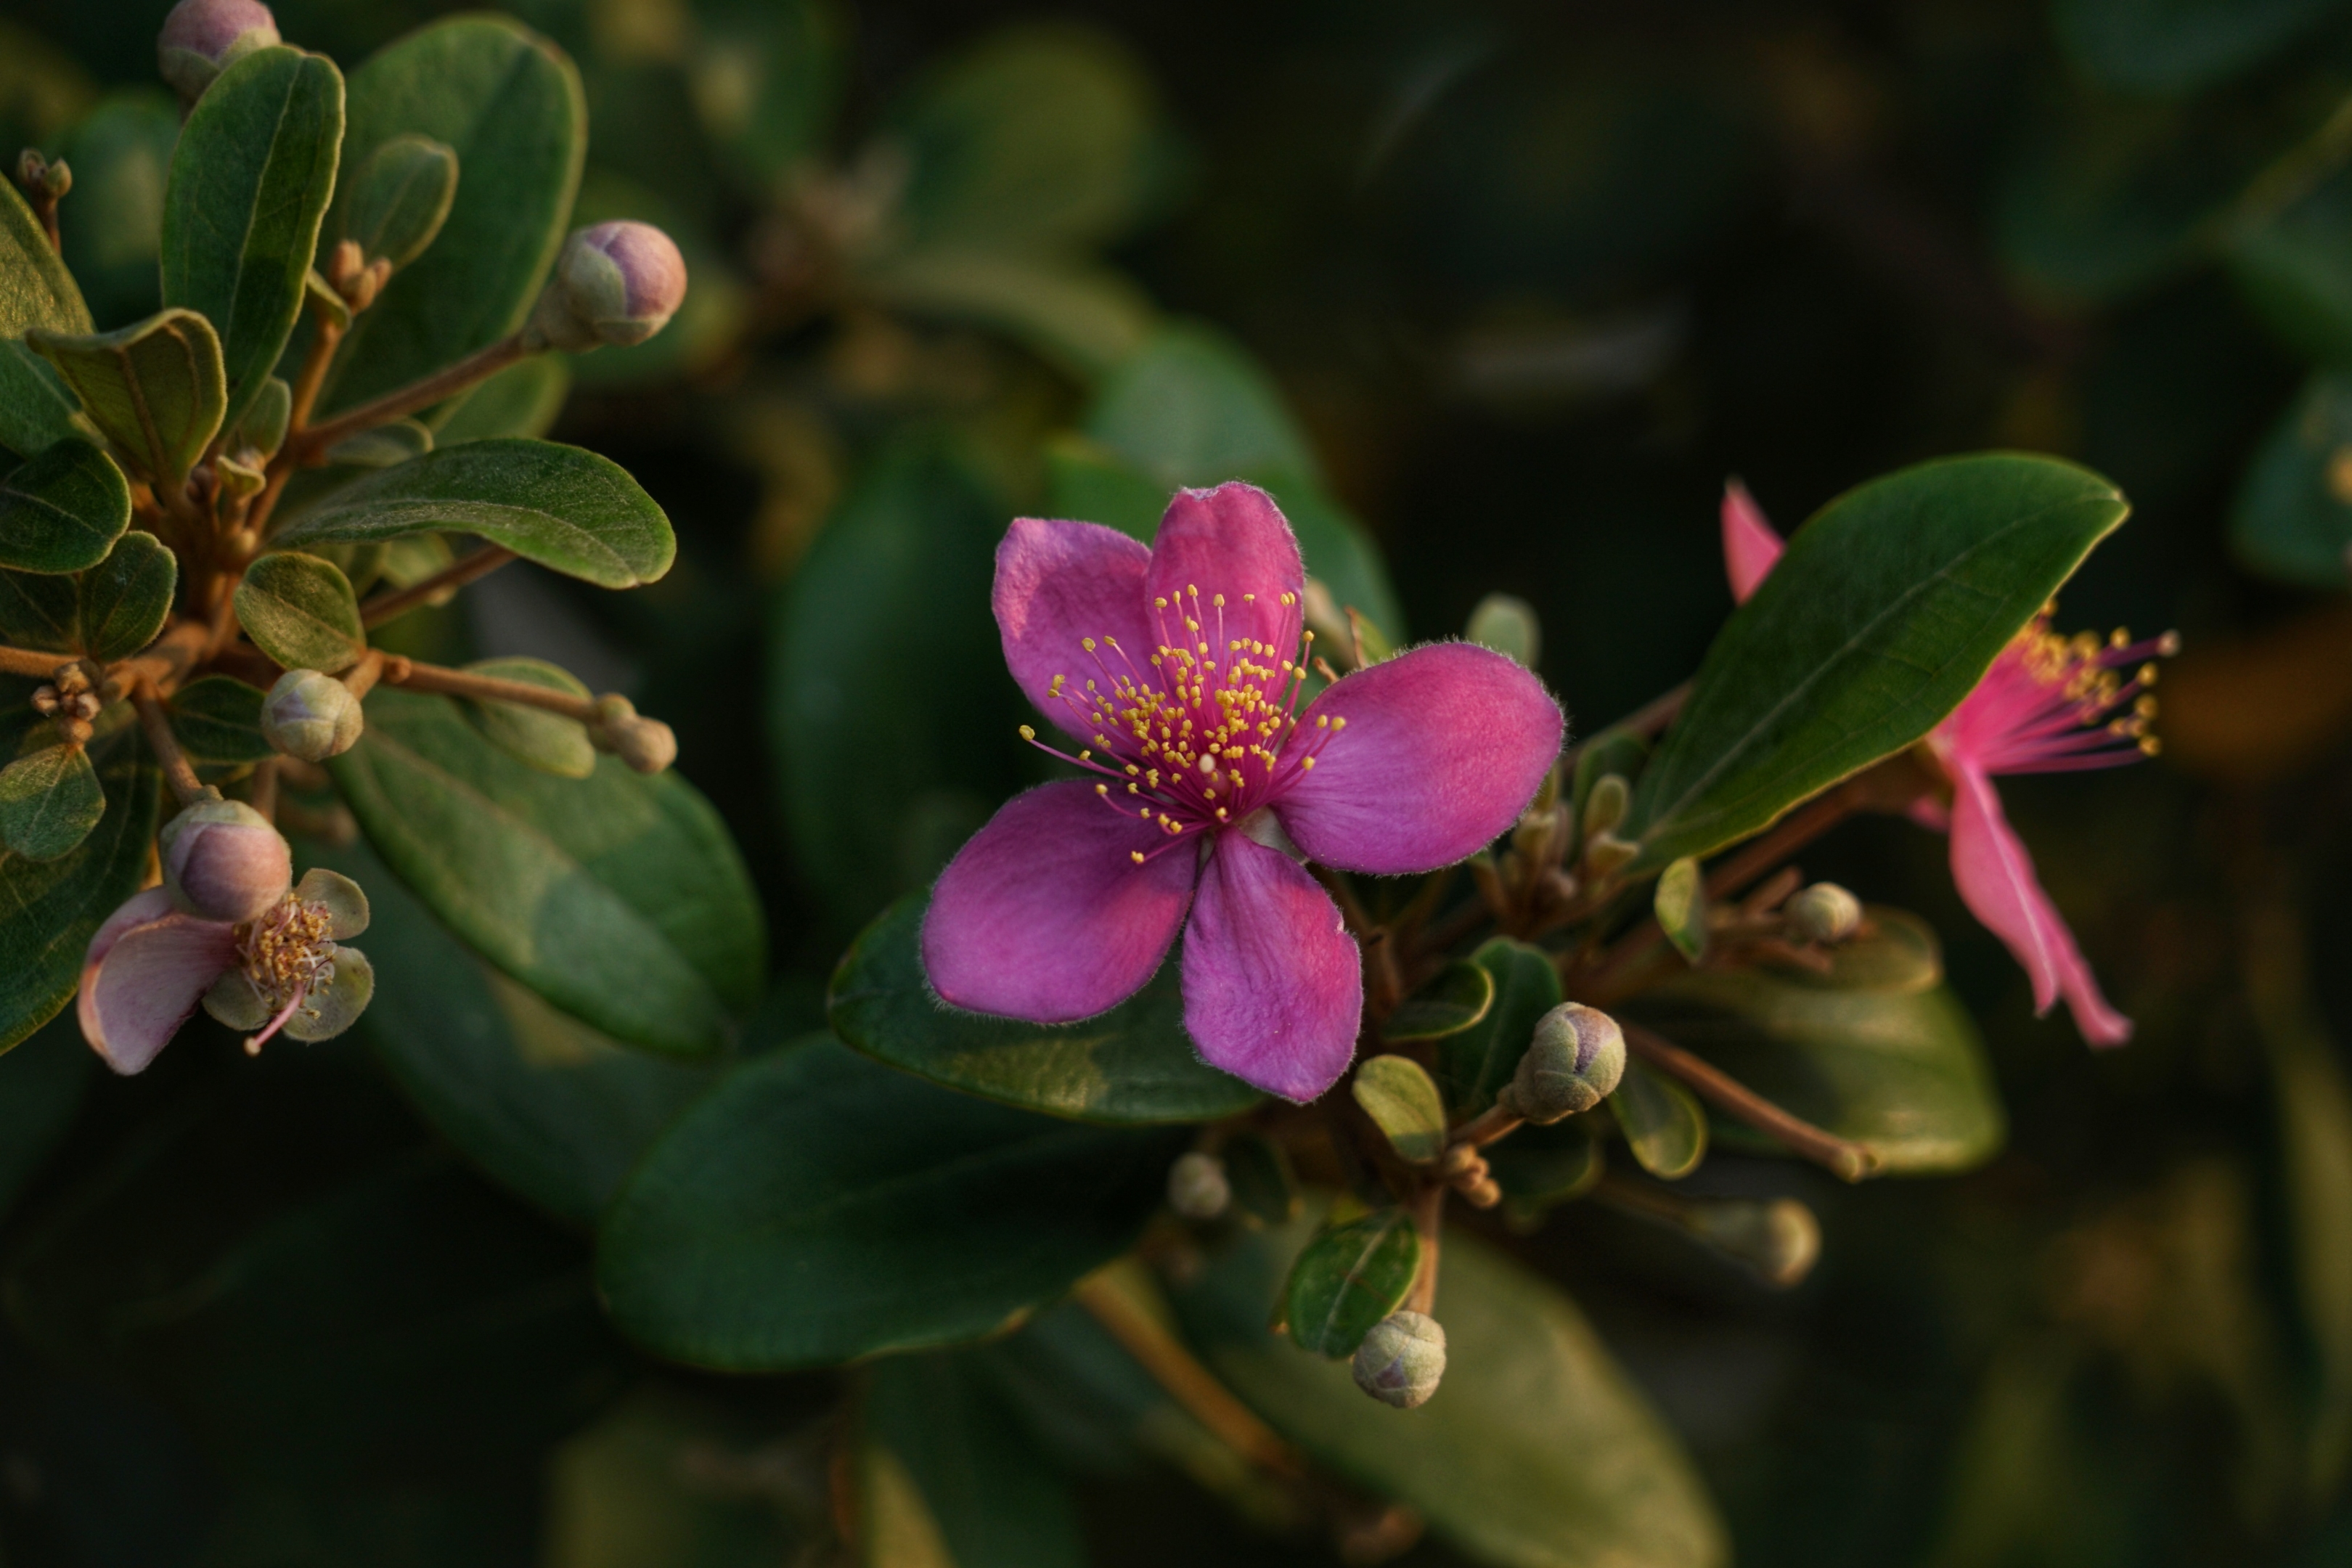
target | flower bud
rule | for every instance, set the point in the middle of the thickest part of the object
(201, 39)
(1822, 912)
(1402, 1360)
(1780, 1240)
(312, 716)
(1574, 1062)
(1197, 1187)
(647, 745)
(223, 860)
(616, 283)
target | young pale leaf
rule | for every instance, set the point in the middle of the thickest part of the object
(1507, 625)
(2292, 516)
(126, 599)
(1680, 904)
(508, 105)
(945, 1476)
(399, 197)
(302, 612)
(36, 291)
(218, 721)
(1663, 1121)
(154, 389)
(1350, 1278)
(817, 1207)
(1476, 1064)
(619, 897)
(263, 430)
(548, 741)
(1885, 611)
(63, 510)
(249, 186)
(49, 801)
(1134, 1063)
(560, 506)
(1460, 997)
(1402, 1102)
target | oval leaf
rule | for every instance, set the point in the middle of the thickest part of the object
(548, 741)
(218, 721)
(40, 611)
(1460, 997)
(63, 510)
(817, 1206)
(1476, 1064)
(126, 599)
(155, 388)
(1663, 1121)
(1402, 1102)
(400, 195)
(1350, 1278)
(1680, 905)
(302, 612)
(941, 1465)
(36, 291)
(49, 801)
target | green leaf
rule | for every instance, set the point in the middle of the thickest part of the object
(1258, 1172)
(1663, 1123)
(250, 182)
(548, 741)
(619, 897)
(63, 510)
(1460, 997)
(1350, 1278)
(523, 399)
(560, 506)
(946, 1479)
(1508, 624)
(509, 105)
(1474, 1065)
(1886, 610)
(155, 388)
(1083, 319)
(42, 1084)
(1680, 905)
(817, 1207)
(1133, 1064)
(40, 611)
(2179, 46)
(120, 154)
(2292, 519)
(49, 801)
(1539, 1166)
(36, 291)
(302, 612)
(399, 197)
(127, 598)
(1900, 1071)
(384, 446)
(1399, 1096)
(1895, 949)
(263, 430)
(49, 912)
(1535, 1452)
(219, 721)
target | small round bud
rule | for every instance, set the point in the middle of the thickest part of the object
(616, 283)
(1822, 912)
(201, 39)
(1197, 1187)
(312, 716)
(1573, 1063)
(223, 860)
(1780, 1240)
(1402, 1360)
(647, 745)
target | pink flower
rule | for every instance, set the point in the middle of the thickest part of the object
(1180, 668)
(2048, 704)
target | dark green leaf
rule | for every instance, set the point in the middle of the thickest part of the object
(2179, 46)
(1090, 482)
(1461, 995)
(1083, 319)
(120, 154)
(302, 612)
(942, 1466)
(250, 182)
(49, 801)
(399, 197)
(1258, 1172)
(263, 430)
(155, 388)
(619, 897)
(522, 400)
(1535, 1452)
(1399, 1096)
(127, 598)
(1134, 1063)
(1887, 608)
(558, 506)
(218, 721)
(769, 81)
(40, 611)
(1663, 1123)
(384, 446)
(1350, 1278)
(2291, 267)
(2292, 516)
(817, 1207)
(508, 104)
(548, 741)
(1893, 950)
(1474, 1065)
(63, 510)
(36, 291)
(1538, 1167)
(42, 1083)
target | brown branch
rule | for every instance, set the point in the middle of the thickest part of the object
(1849, 1162)
(33, 662)
(477, 564)
(1428, 1219)
(308, 446)
(406, 672)
(1186, 1381)
(177, 773)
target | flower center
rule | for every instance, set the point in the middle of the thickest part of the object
(285, 956)
(2056, 704)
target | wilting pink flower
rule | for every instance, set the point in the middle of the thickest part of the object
(1180, 668)
(2048, 704)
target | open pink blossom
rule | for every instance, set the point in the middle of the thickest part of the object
(1179, 668)
(2048, 704)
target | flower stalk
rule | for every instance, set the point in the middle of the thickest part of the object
(1847, 1161)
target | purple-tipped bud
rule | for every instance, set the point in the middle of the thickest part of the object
(1402, 1360)
(312, 716)
(223, 860)
(201, 39)
(1573, 1063)
(616, 283)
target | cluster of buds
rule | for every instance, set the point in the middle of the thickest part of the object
(353, 276)
(72, 699)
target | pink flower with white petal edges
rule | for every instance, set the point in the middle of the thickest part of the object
(1179, 667)
(2048, 704)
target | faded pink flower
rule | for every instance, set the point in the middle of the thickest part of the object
(1180, 668)
(2048, 704)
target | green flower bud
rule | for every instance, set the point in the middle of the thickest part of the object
(201, 39)
(1402, 1360)
(312, 716)
(647, 745)
(614, 283)
(223, 860)
(1197, 1187)
(1780, 1240)
(1822, 912)
(1574, 1062)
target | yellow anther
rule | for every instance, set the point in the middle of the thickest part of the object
(1103, 790)
(1249, 598)
(1087, 643)
(1137, 854)
(1221, 601)
(1028, 733)
(1338, 723)
(1306, 762)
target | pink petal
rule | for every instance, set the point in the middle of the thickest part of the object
(1996, 880)
(1443, 748)
(1231, 541)
(1045, 916)
(1058, 584)
(1274, 989)
(1751, 548)
(143, 978)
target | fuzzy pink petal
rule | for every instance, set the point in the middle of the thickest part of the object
(1274, 988)
(1045, 916)
(141, 980)
(1233, 540)
(1443, 748)
(1058, 584)
(136, 910)
(1750, 547)
(1996, 880)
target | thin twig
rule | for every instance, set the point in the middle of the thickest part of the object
(416, 677)
(1849, 1162)
(448, 580)
(1186, 1381)
(177, 773)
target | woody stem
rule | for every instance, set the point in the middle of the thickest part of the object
(177, 771)
(1190, 1384)
(1849, 1162)
(30, 661)
(448, 580)
(311, 444)
(406, 672)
